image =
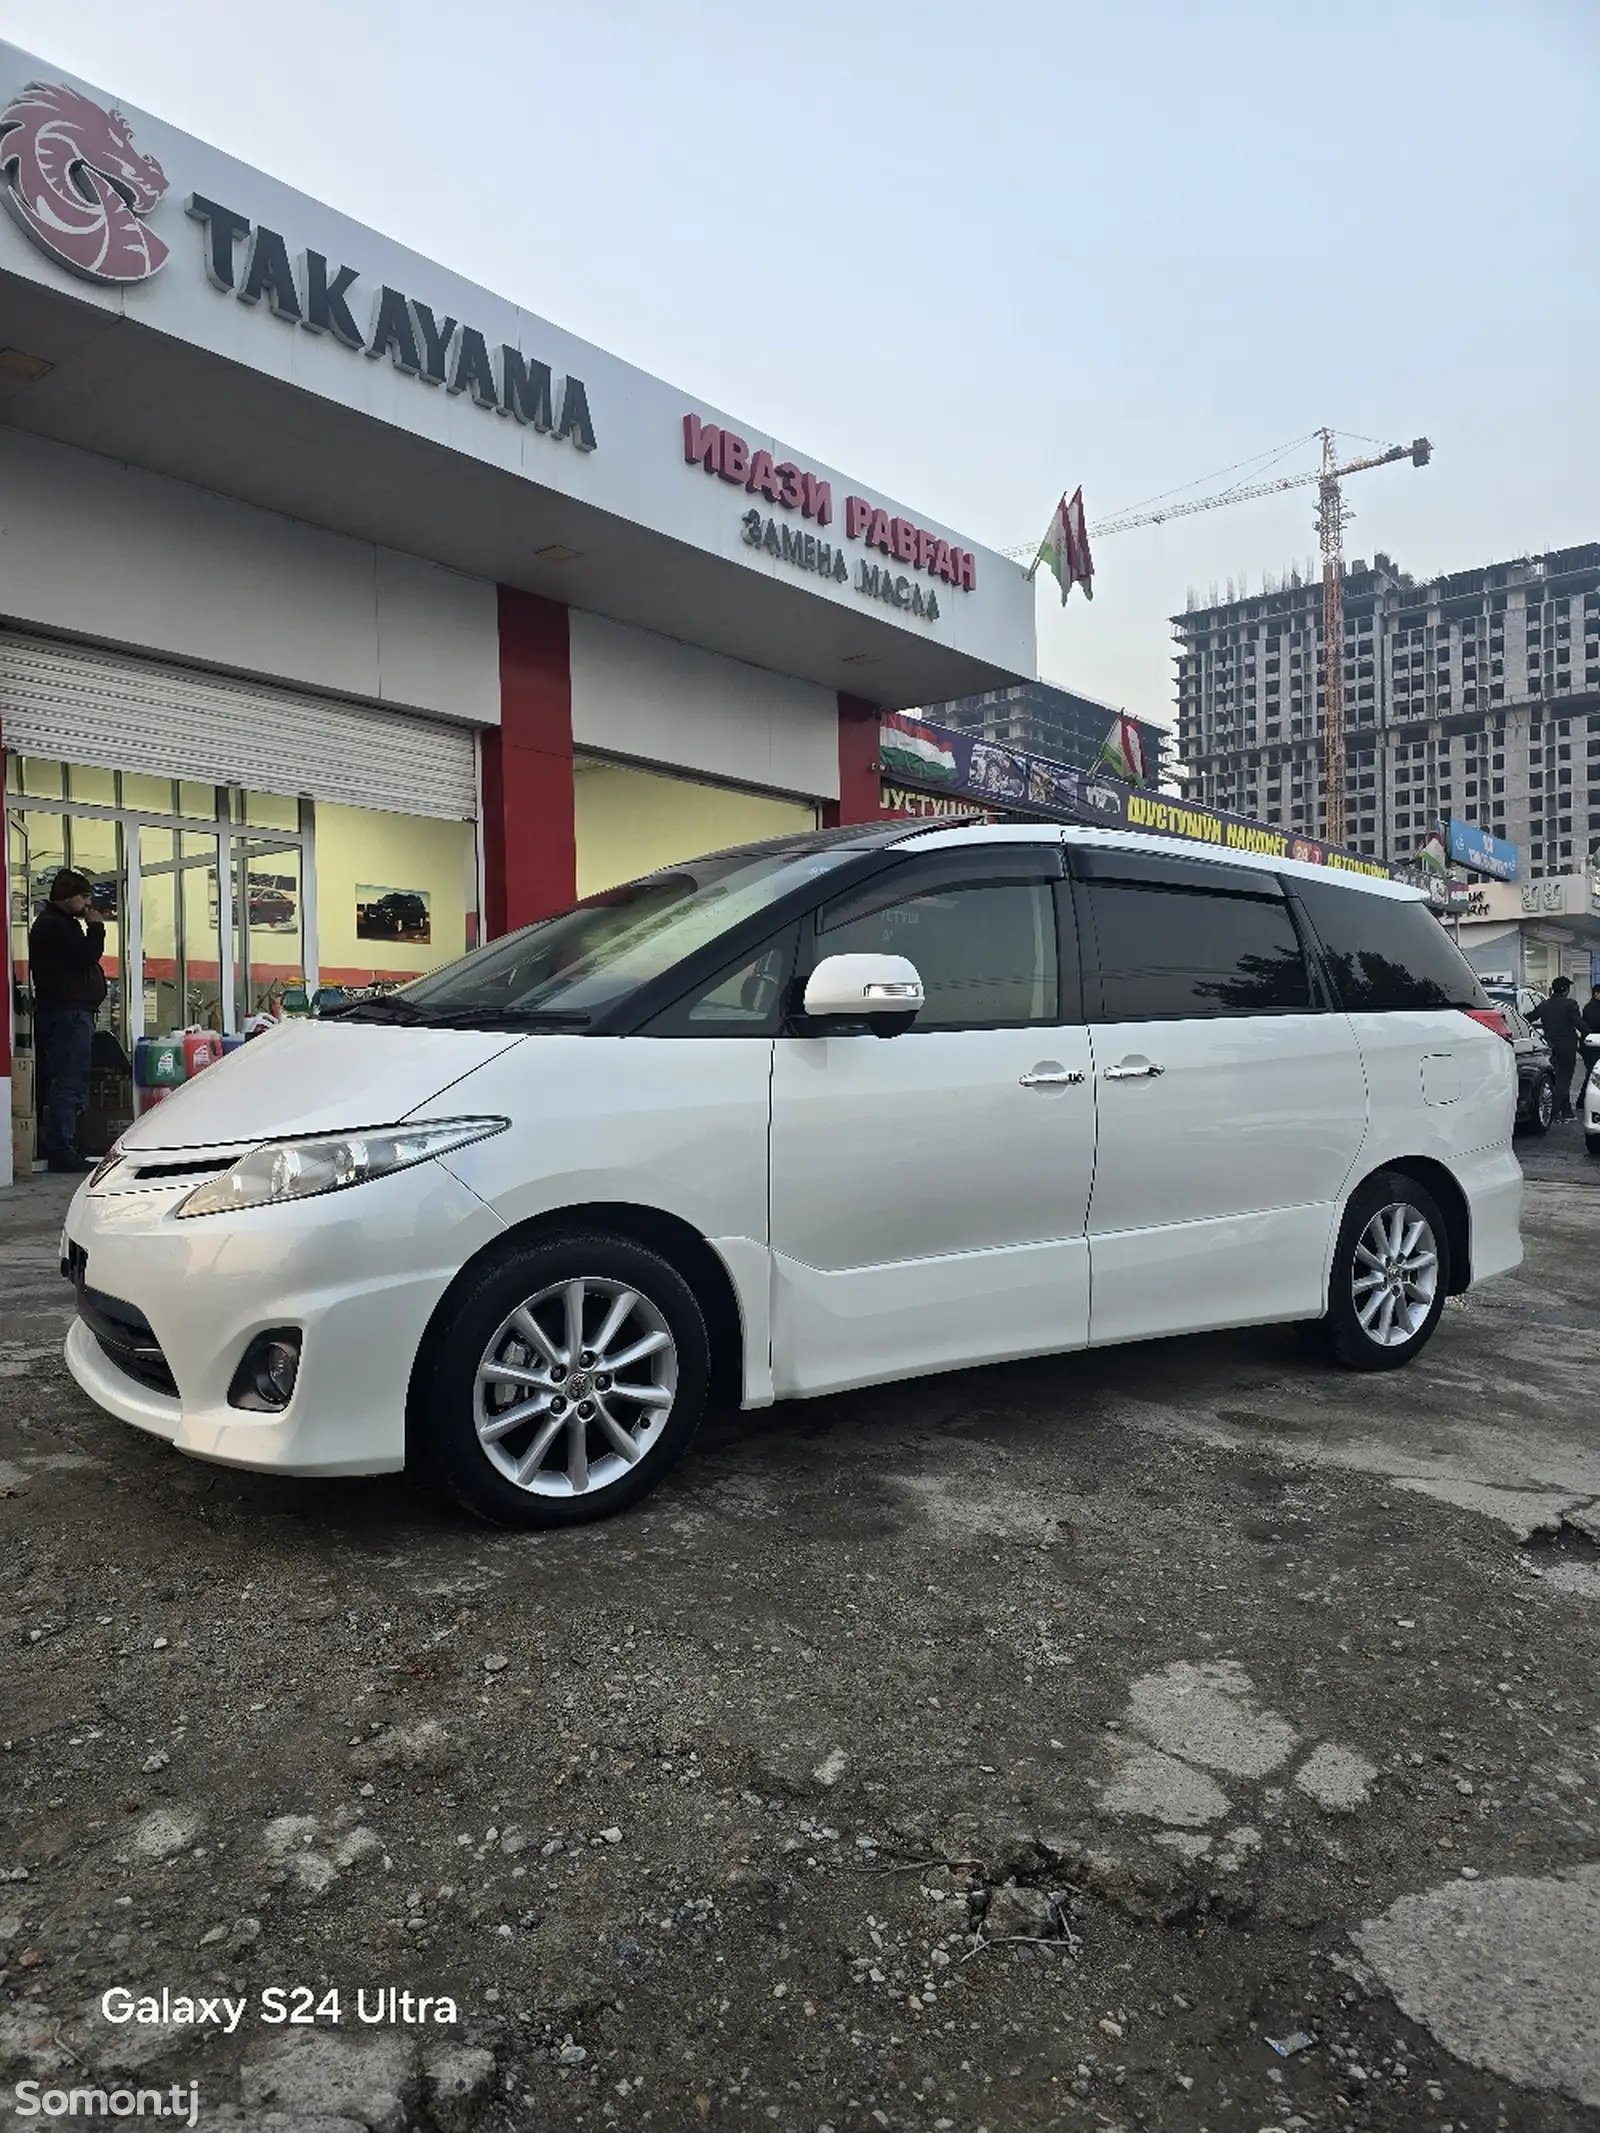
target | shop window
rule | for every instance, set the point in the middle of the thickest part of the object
(146, 795)
(37, 779)
(629, 822)
(198, 801)
(265, 810)
(95, 788)
(396, 894)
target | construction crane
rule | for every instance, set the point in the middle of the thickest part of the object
(1332, 518)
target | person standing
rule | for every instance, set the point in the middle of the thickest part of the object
(64, 949)
(1591, 1013)
(1558, 1017)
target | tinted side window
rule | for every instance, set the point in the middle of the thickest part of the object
(1384, 955)
(986, 953)
(1169, 953)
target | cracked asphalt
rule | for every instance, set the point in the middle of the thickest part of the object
(1187, 1736)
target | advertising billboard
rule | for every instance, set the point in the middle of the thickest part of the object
(934, 770)
(1472, 847)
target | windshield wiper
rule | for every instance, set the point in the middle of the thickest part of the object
(383, 1007)
(517, 1017)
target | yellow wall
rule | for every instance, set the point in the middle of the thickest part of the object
(358, 846)
(629, 822)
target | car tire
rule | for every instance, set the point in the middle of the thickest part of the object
(1591, 1142)
(1389, 1282)
(1542, 1110)
(505, 1346)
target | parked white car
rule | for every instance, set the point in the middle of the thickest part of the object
(511, 1224)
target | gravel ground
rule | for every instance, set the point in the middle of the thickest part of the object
(1185, 1736)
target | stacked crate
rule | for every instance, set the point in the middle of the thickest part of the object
(24, 1119)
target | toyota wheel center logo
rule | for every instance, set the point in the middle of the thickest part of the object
(77, 184)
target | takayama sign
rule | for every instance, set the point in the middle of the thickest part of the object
(251, 262)
(75, 181)
(915, 754)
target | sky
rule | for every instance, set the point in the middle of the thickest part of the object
(976, 256)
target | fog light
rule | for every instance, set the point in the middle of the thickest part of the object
(264, 1382)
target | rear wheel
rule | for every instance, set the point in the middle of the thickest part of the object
(1591, 1142)
(1391, 1273)
(1542, 1110)
(569, 1381)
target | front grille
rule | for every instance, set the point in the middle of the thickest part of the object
(126, 1337)
(205, 1166)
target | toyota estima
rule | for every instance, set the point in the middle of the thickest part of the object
(511, 1225)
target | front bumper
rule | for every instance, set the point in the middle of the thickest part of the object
(359, 1272)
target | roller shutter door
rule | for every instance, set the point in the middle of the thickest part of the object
(81, 705)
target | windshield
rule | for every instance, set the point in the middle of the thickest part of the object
(570, 967)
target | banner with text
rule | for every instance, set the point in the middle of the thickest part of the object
(934, 770)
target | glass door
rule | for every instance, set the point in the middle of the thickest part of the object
(183, 931)
(40, 844)
(269, 918)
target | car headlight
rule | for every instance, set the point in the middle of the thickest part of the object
(300, 1170)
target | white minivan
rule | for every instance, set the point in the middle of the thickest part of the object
(812, 1114)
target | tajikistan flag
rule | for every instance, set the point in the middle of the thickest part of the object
(912, 750)
(1122, 751)
(1431, 856)
(1065, 548)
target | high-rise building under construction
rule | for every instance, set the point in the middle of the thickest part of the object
(1475, 695)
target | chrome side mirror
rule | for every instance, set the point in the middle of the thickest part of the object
(883, 990)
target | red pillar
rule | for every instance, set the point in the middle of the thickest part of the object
(530, 859)
(858, 766)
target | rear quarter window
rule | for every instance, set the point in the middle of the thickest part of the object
(1384, 955)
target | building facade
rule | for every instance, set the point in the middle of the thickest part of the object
(1476, 695)
(1532, 932)
(351, 613)
(1045, 720)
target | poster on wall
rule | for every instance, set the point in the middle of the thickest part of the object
(274, 903)
(393, 914)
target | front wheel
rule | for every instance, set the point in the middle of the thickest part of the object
(1591, 1142)
(570, 1379)
(1390, 1275)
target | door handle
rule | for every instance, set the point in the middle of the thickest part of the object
(1145, 1070)
(1055, 1078)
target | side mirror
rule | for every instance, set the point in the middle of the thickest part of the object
(882, 990)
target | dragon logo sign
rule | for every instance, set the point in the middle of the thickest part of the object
(74, 180)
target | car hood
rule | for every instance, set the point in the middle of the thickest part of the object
(315, 1077)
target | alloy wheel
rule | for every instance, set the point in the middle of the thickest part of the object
(1545, 1105)
(1395, 1274)
(575, 1386)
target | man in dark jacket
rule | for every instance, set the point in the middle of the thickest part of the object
(1558, 1017)
(1591, 1013)
(64, 950)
